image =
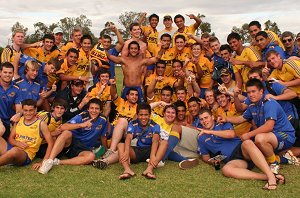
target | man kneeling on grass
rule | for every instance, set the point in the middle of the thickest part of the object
(219, 139)
(141, 143)
(80, 135)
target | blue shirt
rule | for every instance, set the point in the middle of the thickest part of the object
(295, 52)
(144, 137)
(288, 107)
(89, 136)
(270, 110)
(29, 90)
(208, 144)
(272, 46)
(219, 64)
(9, 97)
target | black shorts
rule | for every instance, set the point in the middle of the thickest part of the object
(141, 153)
(43, 149)
(237, 154)
(75, 148)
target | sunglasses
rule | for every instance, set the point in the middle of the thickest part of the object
(287, 40)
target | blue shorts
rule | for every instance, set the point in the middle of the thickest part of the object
(140, 92)
(283, 142)
(27, 160)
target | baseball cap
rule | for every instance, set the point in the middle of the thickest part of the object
(298, 36)
(77, 82)
(57, 30)
(167, 17)
(225, 72)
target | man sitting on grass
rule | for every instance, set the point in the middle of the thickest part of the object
(25, 138)
(141, 143)
(217, 139)
(80, 135)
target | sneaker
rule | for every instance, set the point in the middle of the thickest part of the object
(189, 163)
(275, 168)
(46, 166)
(160, 164)
(56, 161)
(108, 153)
(100, 163)
(291, 159)
(99, 151)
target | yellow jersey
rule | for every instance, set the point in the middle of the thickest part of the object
(248, 54)
(187, 29)
(29, 134)
(8, 54)
(83, 64)
(151, 38)
(40, 54)
(207, 68)
(239, 129)
(290, 71)
(52, 123)
(124, 110)
(64, 49)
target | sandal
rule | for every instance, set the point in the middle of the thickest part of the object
(149, 175)
(280, 179)
(126, 175)
(268, 185)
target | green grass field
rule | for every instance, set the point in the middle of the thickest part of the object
(119, 77)
(86, 181)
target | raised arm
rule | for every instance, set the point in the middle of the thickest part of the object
(113, 89)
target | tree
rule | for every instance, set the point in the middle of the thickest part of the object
(204, 26)
(243, 32)
(272, 26)
(126, 19)
(40, 30)
(18, 25)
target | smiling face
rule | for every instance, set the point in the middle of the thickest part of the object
(181, 113)
(77, 36)
(48, 44)
(223, 100)
(143, 116)
(206, 120)
(253, 30)
(135, 32)
(31, 73)
(104, 78)
(132, 97)
(169, 115)
(58, 111)
(262, 42)
(29, 112)
(275, 61)
(235, 44)
(196, 50)
(134, 50)
(94, 110)
(49, 69)
(6, 74)
(215, 46)
(179, 43)
(254, 93)
(179, 22)
(58, 38)
(209, 97)
(72, 58)
(181, 95)
(194, 108)
(86, 45)
(166, 96)
(160, 69)
(153, 22)
(18, 38)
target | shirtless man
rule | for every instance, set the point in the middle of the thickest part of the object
(134, 67)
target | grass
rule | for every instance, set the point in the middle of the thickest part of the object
(86, 181)
(119, 77)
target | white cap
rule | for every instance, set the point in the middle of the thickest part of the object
(57, 30)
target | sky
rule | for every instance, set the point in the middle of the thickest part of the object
(221, 15)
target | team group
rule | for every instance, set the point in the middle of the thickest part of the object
(183, 97)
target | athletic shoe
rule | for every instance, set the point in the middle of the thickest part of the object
(275, 168)
(291, 159)
(46, 166)
(56, 161)
(160, 164)
(108, 153)
(100, 163)
(189, 163)
(99, 151)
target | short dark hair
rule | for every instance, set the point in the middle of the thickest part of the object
(180, 36)
(143, 106)
(73, 50)
(178, 16)
(134, 43)
(255, 82)
(269, 53)
(255, 23)
(162, 62)
(29, 102)
(205, 110)
(60, 102)
(218, 93)
(86, 36)
(262, 33)
(177, 61)
(180, 103)
(226, 47)
(133, 24)
(181, 88)
(196, 44)
(194, 99)
(172, 106)
(153, 16)
(105, 36)
(94, 101)
(6, 65)
(131, 89)
(213, 39)
(165, 35)
(103, 71)
(205, 35)
(233, 35)
(287, 34)
(256, 71)
(48, 36)
(167, 88)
